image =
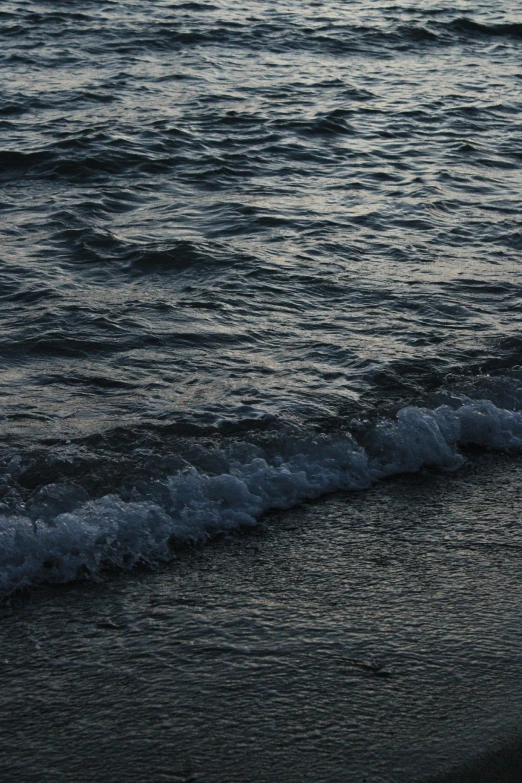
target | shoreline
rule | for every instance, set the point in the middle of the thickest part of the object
(368, 636)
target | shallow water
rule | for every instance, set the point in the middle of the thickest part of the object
(370, 637)
(233, 233)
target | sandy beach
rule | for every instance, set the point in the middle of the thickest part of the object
(371, 637)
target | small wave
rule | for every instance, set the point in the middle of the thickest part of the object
(62, 536)
(331, 123)
(472, 28)
(89, 245)
(12, 160)
(418, 34)
(193, 6)
(172, 256)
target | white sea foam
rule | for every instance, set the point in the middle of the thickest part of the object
(237, 489)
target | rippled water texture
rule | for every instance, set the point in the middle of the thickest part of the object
(249, 210)
(250, 253)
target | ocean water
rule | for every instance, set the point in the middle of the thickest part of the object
(251, 253)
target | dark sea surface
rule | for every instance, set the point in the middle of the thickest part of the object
(251, 253)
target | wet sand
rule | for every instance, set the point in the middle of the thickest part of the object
(371, 637)
(503, 765)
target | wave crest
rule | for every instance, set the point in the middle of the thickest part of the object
(237, 486)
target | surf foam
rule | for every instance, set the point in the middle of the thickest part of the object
(240, 485)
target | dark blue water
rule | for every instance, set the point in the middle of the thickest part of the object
(236, 240)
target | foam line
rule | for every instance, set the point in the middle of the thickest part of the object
(196, 504)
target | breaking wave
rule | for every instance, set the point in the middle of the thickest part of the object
(63, 535)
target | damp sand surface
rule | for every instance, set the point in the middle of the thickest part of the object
(372, 637)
